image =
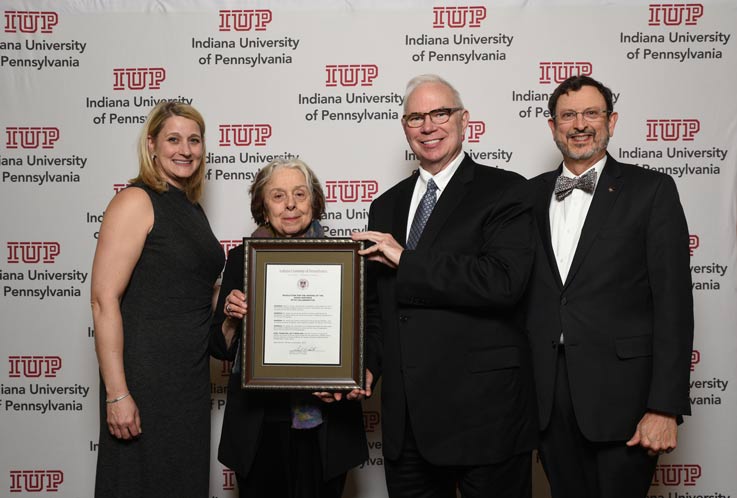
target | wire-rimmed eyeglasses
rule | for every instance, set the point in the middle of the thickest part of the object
(588, 115)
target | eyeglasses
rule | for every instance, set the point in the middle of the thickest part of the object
(437, 116)
(588, 115)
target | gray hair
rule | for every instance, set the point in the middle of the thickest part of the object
(258, 208)
(423, 79)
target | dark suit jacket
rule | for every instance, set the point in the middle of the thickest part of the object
(444, 328)
(625, 310)
(341, 436)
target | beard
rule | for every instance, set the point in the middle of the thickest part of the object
(600, 143)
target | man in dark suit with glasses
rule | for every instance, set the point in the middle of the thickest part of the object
(609, 306)
(450, 257)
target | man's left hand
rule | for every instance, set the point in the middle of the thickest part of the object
(657, 433)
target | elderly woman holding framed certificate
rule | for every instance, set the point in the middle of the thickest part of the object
(285, 441)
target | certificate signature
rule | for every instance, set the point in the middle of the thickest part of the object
(303, 349)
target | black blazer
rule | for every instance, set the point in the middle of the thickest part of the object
(341, 436)
(445, 330)
(626, 309)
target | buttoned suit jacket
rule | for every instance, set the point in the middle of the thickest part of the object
(625, 309)
(445, 328)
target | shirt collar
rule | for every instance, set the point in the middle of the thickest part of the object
(443, 177)
(598, 166)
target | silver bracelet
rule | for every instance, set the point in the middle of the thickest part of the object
(111, 401)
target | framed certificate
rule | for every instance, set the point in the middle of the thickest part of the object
(304, 327)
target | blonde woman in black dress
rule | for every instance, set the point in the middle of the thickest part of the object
(152, 282)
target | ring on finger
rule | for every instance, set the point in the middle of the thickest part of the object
(227, 308)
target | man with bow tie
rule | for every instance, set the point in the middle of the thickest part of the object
(609, 307)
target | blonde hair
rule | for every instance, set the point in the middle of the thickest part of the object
(148, 173)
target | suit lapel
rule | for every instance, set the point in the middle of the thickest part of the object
(449, 200)
(404, 198)
(607, 191)
(542, 212)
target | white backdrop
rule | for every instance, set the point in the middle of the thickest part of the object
(323, 80)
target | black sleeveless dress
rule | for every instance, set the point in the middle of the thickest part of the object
(166, 318)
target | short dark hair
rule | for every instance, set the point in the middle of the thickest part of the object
(574, 84)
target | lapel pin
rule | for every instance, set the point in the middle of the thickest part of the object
(612, 189)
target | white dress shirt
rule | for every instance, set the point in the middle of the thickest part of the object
(441, 180)
(566, 221)
(567, 218)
